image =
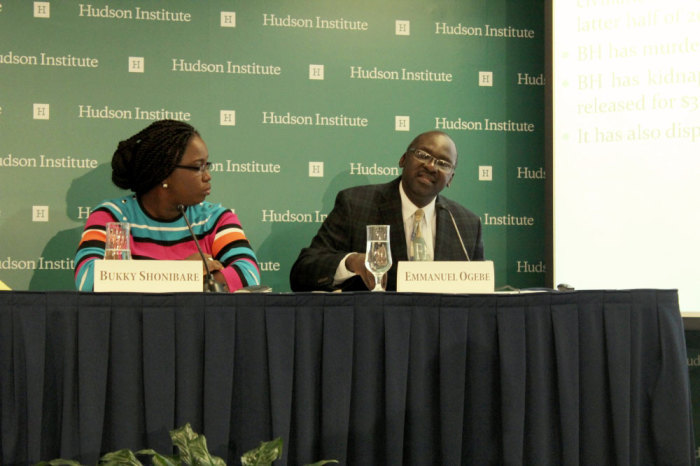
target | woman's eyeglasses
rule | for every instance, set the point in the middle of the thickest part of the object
(205, 167)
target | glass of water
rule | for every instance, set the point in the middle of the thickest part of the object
(378, 254)
(117, 245)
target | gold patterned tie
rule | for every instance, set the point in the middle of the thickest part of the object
(419, 250)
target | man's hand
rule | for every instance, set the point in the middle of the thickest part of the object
(356, 263)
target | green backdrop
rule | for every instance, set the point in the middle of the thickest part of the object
(69, 93)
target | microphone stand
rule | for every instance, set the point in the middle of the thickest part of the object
(210, 285)
(459, 236)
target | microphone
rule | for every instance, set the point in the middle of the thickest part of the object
(211, 286)
(444, 207)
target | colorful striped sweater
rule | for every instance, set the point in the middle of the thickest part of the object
(218, 230)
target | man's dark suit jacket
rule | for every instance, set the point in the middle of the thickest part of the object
(344, 231)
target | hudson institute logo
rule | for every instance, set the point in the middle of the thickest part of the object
(42, 9)
(11, 263)
(40, 213)
(45, 59)
(289, 119)
(228, 19)
(525, 79)
(228, 67)
(317, 22)
(402, 28)
(486, 78)
(693, 361)
(357, 168)
(531, 173)
(227, 118)
(403, 74)
(507, 126)
(485, 30)
(136, 113)
(269, 266)
(41, 111)
(229, 166)
(137, 64)
(43, 161)
(316, 169)
(316, 72)
(508, 220)
(137, 13)
(528, 267)
(402, 123)
(287, 216)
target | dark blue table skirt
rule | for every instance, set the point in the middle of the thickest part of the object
(588, 377)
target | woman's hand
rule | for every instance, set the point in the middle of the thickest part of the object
(213, 264)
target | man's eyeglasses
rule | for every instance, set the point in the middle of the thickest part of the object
(205, 167)
(423, 157)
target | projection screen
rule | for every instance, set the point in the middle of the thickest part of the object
(626, 145)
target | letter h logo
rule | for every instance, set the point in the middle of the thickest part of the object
(136, 64)
(227, 118)
(228, 19)
(42, 10)
(316, 72)
(402, 123)
(40, 213)
(486, 78)
(41, 111)
(316, 169)
(83, 212)
(403, 28)
(485, 173)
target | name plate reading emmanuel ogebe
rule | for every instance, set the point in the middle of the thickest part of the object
(144, 276)
(445, 276)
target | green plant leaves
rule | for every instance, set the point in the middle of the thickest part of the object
(264, 455)
(192, 451)
(159, 460)
(120, 458)
(192, 448)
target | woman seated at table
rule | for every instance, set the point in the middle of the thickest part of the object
(165, 166)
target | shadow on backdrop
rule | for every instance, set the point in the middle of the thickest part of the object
(286, 240)
(85, 191)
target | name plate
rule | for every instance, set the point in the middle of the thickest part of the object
(445, 276)
(144, 276)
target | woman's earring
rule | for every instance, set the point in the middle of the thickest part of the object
(165, 185)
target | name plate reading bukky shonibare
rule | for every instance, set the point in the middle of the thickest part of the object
(146, 276)
(445, 276)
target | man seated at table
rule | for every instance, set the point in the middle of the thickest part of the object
(335, 258)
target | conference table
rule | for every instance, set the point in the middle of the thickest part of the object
(562, 378)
